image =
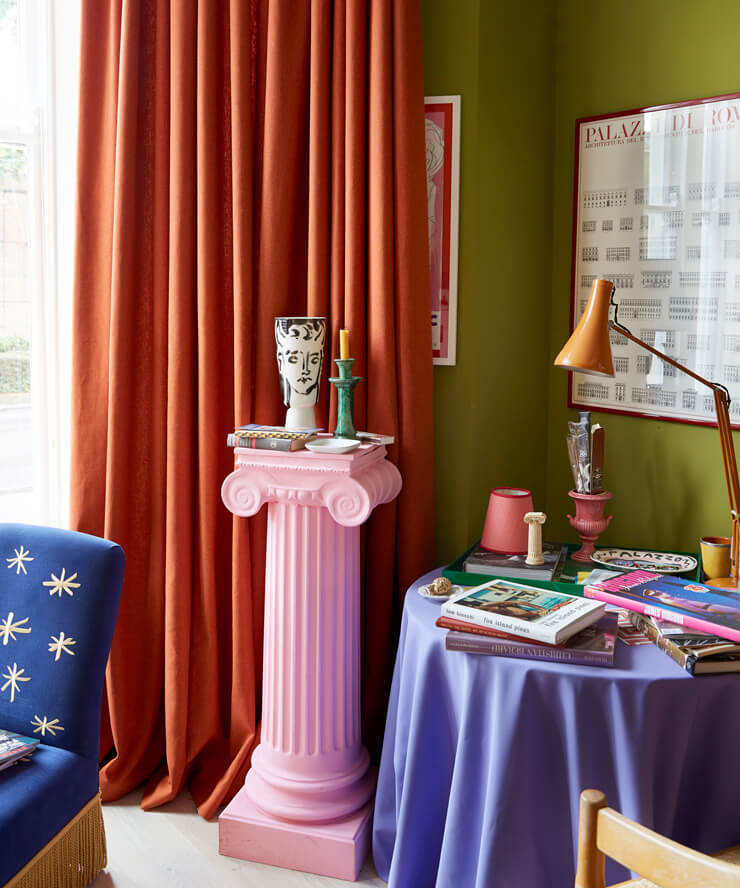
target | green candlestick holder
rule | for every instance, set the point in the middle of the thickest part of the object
(345, 384)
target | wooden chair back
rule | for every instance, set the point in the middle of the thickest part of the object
(603, 831)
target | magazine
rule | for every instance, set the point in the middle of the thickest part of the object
(481, 561)
(526, 611)
(697, 652)
(674, 599)
(14, 747)
(592, 646)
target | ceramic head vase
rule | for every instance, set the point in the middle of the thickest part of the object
(300, 356)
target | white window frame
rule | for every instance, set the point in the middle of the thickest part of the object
(50, 31)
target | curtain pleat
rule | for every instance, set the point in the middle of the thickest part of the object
(238, 160)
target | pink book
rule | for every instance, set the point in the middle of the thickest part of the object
(677, 600)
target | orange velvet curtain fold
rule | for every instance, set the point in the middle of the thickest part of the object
(237, 161)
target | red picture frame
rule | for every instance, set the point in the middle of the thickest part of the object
(442, 120)
(656, 208)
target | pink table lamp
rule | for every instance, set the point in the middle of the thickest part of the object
(504, 529)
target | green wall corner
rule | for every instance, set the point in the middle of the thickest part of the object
(490, 426)
(525, 74)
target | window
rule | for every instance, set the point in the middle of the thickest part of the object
(39, 46)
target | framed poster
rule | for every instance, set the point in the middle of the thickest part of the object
(442, 122)
(657, 211)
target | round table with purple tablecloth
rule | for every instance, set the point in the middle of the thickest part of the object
(484, 759)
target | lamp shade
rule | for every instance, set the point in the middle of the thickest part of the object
(588, 350)
(504, 529)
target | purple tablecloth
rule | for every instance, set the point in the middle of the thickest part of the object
(484, 759)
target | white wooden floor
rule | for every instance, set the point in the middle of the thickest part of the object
(172, 847)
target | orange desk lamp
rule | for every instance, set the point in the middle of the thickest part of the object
(589, 351)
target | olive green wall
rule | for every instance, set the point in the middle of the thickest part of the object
(525, 73)
(490, 425)
(666, 477)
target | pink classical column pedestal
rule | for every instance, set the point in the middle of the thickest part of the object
(307, 801)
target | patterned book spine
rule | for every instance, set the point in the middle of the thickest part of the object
(263, 443)
(499, 647)
(646, 625)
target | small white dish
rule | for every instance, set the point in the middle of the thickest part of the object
(425, 593)
(333, 445)
(635, 559)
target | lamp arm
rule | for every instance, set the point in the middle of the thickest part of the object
(722, 408)
(615, 325)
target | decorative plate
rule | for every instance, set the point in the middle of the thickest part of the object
(333, 445)
(635, 559)
(424, 591)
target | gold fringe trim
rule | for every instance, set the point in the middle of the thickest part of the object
(72, 858)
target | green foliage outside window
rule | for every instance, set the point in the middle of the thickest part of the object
(12, 161)
(15, 364)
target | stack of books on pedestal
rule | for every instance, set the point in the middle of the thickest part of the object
(263, 437)
(513, 620)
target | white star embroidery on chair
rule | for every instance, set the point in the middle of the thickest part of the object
(8, 628)
(14, 675)
(44, 725)
(61, 644)
(62, 584)
(21, 555)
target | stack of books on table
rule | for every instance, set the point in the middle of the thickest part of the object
(696, 625)
(494, 564)
(264, 437)
(14, 747)
(699, 653)
(509, 619)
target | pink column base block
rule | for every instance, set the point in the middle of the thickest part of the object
(337, 850)
(307, 800)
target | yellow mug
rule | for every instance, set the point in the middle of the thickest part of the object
(715, 556)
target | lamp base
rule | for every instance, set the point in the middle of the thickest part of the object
(721, 582)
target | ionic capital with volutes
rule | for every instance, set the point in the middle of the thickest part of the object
(349, 485)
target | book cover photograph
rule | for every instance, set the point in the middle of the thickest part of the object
(671, 598)
(541, 614)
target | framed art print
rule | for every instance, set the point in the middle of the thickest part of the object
(442, 123)
(657, 212)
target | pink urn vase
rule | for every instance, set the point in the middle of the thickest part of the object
(589, 521)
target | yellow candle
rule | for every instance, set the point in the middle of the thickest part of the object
(343, 344)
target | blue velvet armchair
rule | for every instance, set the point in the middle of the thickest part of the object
(59, 596)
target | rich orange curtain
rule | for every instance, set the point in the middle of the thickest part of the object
(237, 161)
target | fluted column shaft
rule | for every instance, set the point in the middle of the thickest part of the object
(311, 762)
